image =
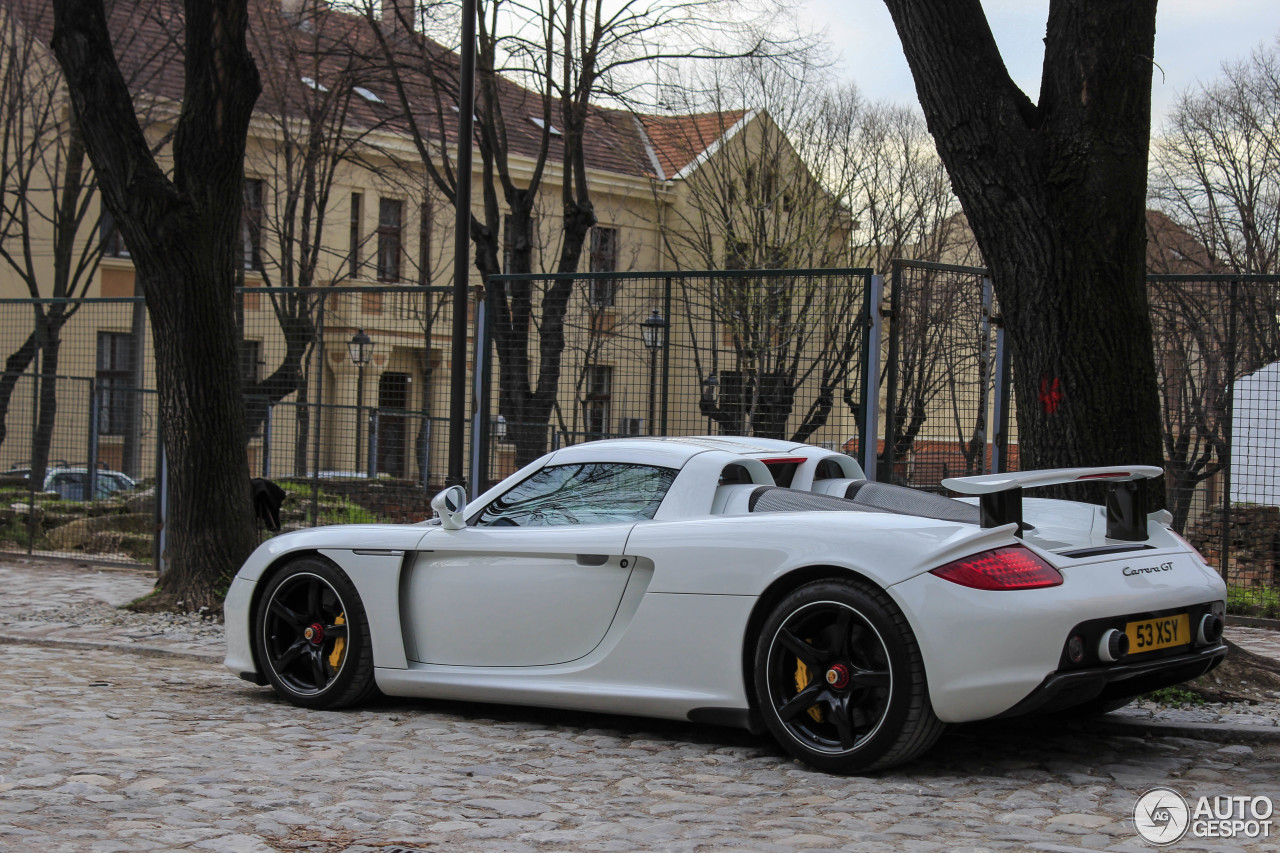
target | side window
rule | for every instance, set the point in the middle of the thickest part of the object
(586, 493)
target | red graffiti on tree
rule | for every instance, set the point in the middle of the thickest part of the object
(1050, 395)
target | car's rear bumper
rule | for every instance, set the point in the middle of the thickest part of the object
(1062, 690)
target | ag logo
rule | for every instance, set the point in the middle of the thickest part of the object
(1161, 816)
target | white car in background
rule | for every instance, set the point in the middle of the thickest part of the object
(72, 483)
(748, 582)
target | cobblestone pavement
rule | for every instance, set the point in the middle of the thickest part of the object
(103, 751)
(110, 752)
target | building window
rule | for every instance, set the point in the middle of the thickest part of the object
(112, 240)
(604, 258)
(354, 244)
(390, 228)
(251, 224)
(114, 377)
(595, 404)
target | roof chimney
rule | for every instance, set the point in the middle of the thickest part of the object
(397, 16)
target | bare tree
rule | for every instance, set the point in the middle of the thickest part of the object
(565, 56)
(761, 185)
(49, 222)
(1216, 166)
(184, 236)
(1216, 177)
(322, 117)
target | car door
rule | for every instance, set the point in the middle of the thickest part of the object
(537, 576)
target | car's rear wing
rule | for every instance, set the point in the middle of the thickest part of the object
(1000, 495)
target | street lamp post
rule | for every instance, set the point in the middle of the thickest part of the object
(653, 330)
(360, 348)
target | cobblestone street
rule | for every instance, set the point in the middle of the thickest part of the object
(106, 751)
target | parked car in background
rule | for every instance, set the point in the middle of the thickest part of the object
(71, 482)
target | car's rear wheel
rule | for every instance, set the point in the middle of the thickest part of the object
(840, 680)
(311, 636)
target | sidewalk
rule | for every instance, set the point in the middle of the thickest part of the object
(65, 605)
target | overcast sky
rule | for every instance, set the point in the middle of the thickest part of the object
(1193, 39)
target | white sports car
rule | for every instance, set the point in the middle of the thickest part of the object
(749, 582)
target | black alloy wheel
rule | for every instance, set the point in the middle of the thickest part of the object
(311, 637)
(840, 680)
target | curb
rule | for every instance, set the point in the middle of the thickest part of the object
(89, 645)
(1220, 732)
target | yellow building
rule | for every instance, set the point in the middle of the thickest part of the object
(345, 232)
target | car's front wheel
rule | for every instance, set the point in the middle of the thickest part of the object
(840, 680)
(311, 636)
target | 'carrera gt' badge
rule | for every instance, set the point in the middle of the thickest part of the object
(1130, 571)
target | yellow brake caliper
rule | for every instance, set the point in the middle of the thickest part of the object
(339, 645)
(802, 681)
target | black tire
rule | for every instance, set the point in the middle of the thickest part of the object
(311, 636)
(840, 680)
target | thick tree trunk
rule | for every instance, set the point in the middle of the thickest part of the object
(1055, 194)
(184, 235)
(210, 530)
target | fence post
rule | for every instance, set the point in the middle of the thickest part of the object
(371, 466)
(871, 382)
(1230, 376)
(480, 398)
(1000, 414)
(317, 427)
(891, 382)
(161, 543)
(425, 466)
(266, 442)
(666, 353)
(91, 465)
(32, 488)
(984, 371)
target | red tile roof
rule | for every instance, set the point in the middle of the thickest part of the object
(678, 140)
(335, 48)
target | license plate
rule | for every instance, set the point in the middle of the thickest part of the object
(1152, 634)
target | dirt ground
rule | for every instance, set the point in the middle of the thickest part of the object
(1242, 677)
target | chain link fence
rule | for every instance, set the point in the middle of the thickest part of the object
(1217, 345)
(347, 393)
(776, 354)
(939, 377)
(950, 407)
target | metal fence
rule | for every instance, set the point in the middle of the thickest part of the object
(949, 404)
(777, 354)
(1217, 346)
(347, 393)
(942, 356)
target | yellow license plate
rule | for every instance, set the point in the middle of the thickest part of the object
(1159, 633)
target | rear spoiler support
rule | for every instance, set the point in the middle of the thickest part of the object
(1000, 495)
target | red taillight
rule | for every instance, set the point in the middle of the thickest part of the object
(1011, 567)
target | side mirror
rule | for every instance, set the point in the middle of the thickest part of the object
(451, 507)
